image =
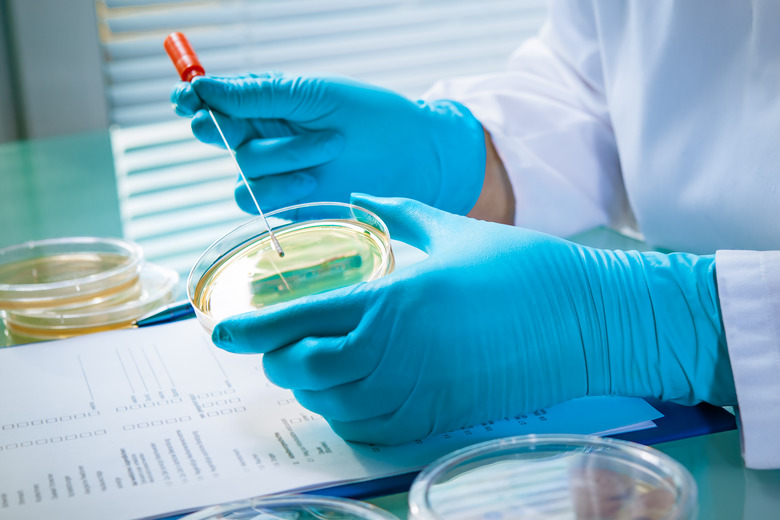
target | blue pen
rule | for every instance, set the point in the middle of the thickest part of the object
(173, 312)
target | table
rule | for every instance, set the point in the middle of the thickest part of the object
(65, 186)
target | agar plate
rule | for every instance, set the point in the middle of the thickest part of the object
(293, 507)
(577, 477)
(154, 288)
(327, 245)
(62, 271)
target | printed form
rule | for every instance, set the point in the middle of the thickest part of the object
(150, 422)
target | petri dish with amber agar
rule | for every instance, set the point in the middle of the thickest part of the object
(64, 271)
(155, 287)
(326, 246)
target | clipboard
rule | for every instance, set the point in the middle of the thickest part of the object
(678, 422)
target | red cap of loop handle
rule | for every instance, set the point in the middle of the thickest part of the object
(183, 57)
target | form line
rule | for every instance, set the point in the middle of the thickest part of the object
(154, 372)
(122, 363)
(165, 367)
(86, 380)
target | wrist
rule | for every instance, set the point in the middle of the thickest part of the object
(496, 202)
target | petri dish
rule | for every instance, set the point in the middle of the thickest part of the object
(578, 477)
(327, 245)
(61, 271)
(293, 507)
(154, 287)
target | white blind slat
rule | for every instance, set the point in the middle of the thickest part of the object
(180, 175)
(343, 45)
(187, 219)
(128, 91)
(182, 197)
(462, 14)
(187, 14)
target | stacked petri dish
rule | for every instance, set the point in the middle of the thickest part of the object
(576, 477)
(57, 288)
(327, 245)
(293, 507)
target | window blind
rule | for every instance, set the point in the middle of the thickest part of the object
(176, 194)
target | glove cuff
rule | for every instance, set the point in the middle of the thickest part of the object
(460, 146)
(665, 337)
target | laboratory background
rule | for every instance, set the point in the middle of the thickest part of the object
(90, 144)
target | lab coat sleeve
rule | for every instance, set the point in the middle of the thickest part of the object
(749, 293)
(547, 116)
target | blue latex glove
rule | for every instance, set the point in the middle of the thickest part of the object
(320, 139)
(496, 321)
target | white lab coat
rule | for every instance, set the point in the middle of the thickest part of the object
(664, 116)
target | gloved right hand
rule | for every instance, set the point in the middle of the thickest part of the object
(496, 321)
(303, 139)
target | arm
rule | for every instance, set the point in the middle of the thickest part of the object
(748, 281)
(548, 120)
(496, 201)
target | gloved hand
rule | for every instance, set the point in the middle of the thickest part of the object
(496, 321)
(319, 139)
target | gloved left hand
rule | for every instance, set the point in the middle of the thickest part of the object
(496, 321)
(309, 139)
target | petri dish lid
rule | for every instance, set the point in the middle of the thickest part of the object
(579, 477)
(328, 245)
(293, 507)
(154, 288)
(48, 273)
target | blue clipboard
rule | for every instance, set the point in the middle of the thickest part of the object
(678, 422)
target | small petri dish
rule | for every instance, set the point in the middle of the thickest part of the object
(153, 288)
(293, 507)
(326, 246)
(62, 271)
(578, 477)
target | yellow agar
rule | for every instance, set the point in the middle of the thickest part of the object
(56, 268)
(64, 267)
(319, 256)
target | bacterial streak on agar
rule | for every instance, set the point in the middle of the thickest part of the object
(251, 279)
(328, 246)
